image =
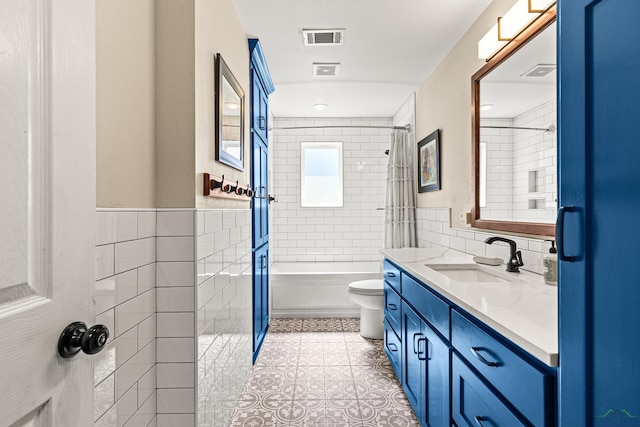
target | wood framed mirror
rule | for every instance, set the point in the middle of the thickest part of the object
(514, 148)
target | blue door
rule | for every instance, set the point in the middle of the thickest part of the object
(259, 180)
(260, 297)
(261, 87)
(598, 227)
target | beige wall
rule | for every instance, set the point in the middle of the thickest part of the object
(155, 106)
(218, 30)
(125, 133)
(175, 103)
(444, 101)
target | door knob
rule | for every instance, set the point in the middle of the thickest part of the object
(76, 337)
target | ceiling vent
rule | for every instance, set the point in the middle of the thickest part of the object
(333, 37)
(539, 71)
(326, 69)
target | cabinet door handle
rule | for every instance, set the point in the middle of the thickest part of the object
(391, 346)
(390, 274)
(417, 334)
(262, 122)
(392, 306)
(479, 419)
(560, 233)
(476, 353)
(423, 339)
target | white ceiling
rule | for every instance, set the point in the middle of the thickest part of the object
(390, 47)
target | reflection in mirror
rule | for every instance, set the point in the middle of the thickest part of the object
(230, 120)
(517, 135)
(229, 117)
(515, 138)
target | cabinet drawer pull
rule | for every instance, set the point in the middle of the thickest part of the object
(392, 306)
(391, 346)
(479, 419)
(390, 274)
(423, 339)
(476, 353)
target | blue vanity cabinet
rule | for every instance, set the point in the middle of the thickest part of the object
(521, 382)
(474, 404)
(392, 321)
(456, 370)
(261, 87)
(425, 369)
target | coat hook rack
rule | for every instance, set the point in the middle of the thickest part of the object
(215, 186)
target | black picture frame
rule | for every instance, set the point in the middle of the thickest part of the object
(429, 163)
(229, 117)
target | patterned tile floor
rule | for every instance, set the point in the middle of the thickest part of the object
(321, 373)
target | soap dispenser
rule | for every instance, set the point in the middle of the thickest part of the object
(550, 264)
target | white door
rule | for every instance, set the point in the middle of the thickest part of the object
(47, 204)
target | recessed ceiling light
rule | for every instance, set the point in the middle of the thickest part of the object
(485, 107)
(320, 106)
(231, 105)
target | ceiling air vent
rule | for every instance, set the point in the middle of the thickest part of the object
(333, 37)
(539, 70)
(326, 69)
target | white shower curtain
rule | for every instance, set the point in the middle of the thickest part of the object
(399, 210)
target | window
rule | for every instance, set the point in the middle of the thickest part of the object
(321, 170)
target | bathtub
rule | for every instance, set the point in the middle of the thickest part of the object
(317, 289)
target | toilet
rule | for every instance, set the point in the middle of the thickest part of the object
(369, 295)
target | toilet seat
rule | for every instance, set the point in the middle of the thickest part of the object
(373, 287)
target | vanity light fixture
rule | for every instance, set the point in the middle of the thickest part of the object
(516, 20)
(320, 106)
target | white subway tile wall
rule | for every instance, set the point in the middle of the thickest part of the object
(434, 230)
(125, 301)
(175, 302)
(521, 167)
(351, 233)
(224, 314)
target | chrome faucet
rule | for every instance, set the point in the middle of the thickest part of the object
(515, 257)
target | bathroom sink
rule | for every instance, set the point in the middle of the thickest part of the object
(471, 273)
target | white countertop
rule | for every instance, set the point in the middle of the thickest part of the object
(524, 311)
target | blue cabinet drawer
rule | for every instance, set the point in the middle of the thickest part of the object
(431, 307)
(474, 404)
(527, 387)
(393, 347)
(391, 275)
(392, 307)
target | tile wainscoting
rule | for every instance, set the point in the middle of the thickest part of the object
(125, 301)
(174, 288)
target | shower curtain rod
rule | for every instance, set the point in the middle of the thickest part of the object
(551, 128)
(405, 127)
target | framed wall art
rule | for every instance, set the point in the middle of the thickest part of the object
(429, 163)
